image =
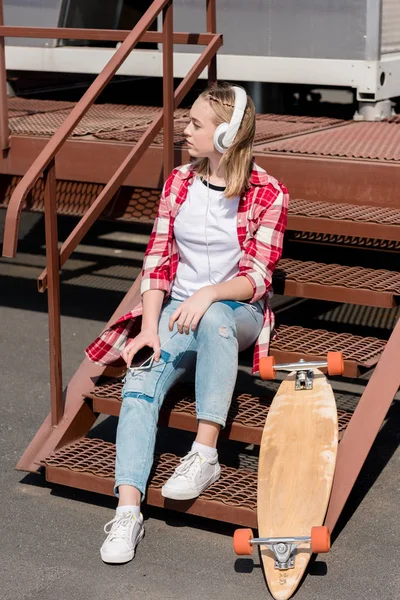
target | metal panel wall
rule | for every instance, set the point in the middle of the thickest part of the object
(287, 28)
(34, 13)
(390, 26)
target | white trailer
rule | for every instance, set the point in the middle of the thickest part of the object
(341, 43)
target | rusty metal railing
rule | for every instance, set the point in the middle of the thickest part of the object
(45, 163)
(4, 141)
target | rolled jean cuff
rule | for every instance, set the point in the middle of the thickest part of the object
(214, 418)
(119, 482)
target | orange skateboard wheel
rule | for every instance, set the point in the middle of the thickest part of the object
(335, 363)
(320, 539)
(241, 541)
(267, 367)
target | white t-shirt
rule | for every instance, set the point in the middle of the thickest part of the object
(197, 227)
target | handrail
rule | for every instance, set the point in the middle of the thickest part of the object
(72, 120)
(4, 139)
(45, 162)
(28, 181)
(97, 207)
(100, 35)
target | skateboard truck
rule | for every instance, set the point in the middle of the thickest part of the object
(304, 374)
(284, 548)
(304, 378)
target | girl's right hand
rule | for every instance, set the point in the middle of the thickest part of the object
(147, 337)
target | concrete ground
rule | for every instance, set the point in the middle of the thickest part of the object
(50, 536)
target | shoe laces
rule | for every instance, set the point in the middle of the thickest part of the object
(117, 527)
(190, 464)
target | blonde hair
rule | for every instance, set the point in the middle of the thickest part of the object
(237, 159)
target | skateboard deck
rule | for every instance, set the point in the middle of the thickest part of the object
(296, 467)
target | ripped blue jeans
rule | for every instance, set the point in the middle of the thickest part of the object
(212, 349)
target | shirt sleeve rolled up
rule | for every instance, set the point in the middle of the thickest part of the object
(157, 258)
(263, 250)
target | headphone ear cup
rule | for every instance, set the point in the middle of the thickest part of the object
(219, 135)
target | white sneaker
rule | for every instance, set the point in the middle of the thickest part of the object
(123, 537)
(191, 477)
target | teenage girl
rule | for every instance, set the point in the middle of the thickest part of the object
(205, 288)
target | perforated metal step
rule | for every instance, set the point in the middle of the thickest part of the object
(245, 421)
(368, 223)
(88, 464)
(119, 122)
(371, 222)
(355, 285)
(294, 342)
(373, 141)
(74, 198)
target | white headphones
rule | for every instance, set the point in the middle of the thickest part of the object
(225, 133)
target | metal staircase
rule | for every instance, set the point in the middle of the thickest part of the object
(341, 211)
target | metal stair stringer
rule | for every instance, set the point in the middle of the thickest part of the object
(78, 416)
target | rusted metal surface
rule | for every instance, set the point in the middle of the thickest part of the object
(74, 198)
(112, 35)
(89, 464)
(168, 89)
(81, 108)
(4, 139)
(318, 179)
(327, 179)
(99, 118)
(364, 426)
(78, 417)
(133, 135)
(245, 420)
(140, 205)
(344, 219)
(72, 163)
(128, 123)
(376, 141)
(211, 25)
(31, 106)
(357, 285)
(294, 342)
(349, 240)
(268, 126)
(265, 130)
(312, 121)
(272, 126)
(50, 216)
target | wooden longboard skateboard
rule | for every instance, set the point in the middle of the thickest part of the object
(295, 473)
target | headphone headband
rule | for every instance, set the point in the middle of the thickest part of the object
(225, 133)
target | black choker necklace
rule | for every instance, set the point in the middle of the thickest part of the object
(217, 188)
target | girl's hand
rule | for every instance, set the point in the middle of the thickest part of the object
(189, 313)
(147, 337)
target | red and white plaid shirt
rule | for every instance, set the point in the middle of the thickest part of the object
(261, 223)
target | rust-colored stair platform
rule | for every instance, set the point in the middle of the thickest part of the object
(140, 205)
(121, 122)
(88, 464)
(357, 140)
(344, 219)
(245, 421)
(350, 156)
(355, 285)
(294, 342)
